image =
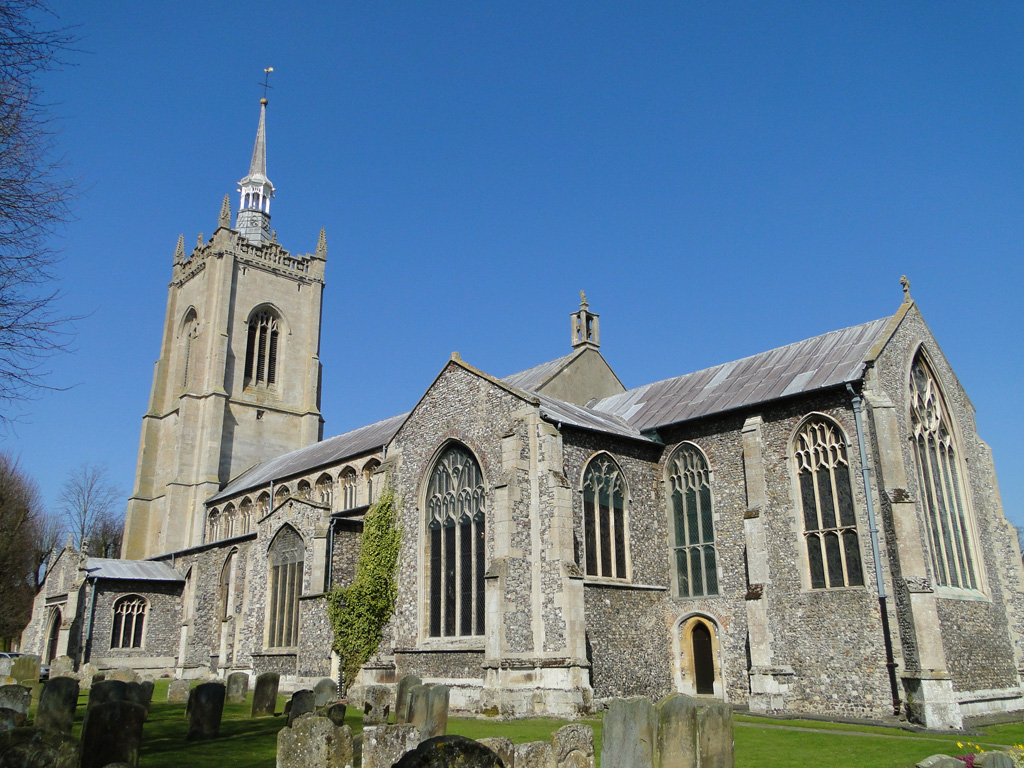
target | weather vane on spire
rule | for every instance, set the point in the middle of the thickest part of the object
(266, 80)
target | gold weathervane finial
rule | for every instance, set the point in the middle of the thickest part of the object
(266, 83)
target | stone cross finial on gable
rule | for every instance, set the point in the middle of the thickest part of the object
(906, 288)
(225, 213)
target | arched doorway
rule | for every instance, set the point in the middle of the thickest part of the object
(53, 636)
(698, 667)
(703, 660)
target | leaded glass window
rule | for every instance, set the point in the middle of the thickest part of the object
(325, 489)
(604, 519)
(938, 476)
(690, 488)
(129, 622)
(261, 349)
(456, 551)
(284, 585)
(826, 500)
(349, 488)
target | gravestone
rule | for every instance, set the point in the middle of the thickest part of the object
(630, 729)
(334, 711)
(112, 733)
(376, 700)
(109, 690)
(36, 686)
(264, 697)
(25, 668)
(402, 697)
(37, 748)
(16, 697)
(86, 673)
(714, 735)
(314, 741)
(177, 691)
(5, 666)
(325, 690)
(677, 731)
(57, 704)
(302, 702)
(450, 752)
(238, 687)
(62, 666)
(146, 687)
(503, 748)
(206, 707)
(572, 746)
(384, 745)
(534, 754)
(437, 713)
(124, 674)
(419, 703)
(11, 718)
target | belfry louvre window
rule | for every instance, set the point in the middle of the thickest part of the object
(604, 519)
(690, 488)
(456, 545)
(826, 498)
(261, 349)
(938, 476)
(284, 586)
(129, 622)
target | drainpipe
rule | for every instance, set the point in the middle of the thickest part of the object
(329, 570)
(890, 663)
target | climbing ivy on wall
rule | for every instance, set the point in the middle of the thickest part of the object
(359, 612)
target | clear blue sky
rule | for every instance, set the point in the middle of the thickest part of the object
(722, 178)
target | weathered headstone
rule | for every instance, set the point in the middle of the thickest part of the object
(503, 748)
(86, 673)
(437, 713)
(112, 733)
(62, 666)
(715, 736)
(535, 754)
(238, 687)
(177, 691)
(11, 718)
(5, 666)
(38, 748)
(630, 730)
(419, 703)
(572, 746)
(25, 668)
(325, 690)
(124, 674)
(376, 701)
(264, 696)
(16, 697)
(57, 704)
(385, 744)
(108, 690)
(677, 731)
(302, 702)
(206, 707)
(314, 741)
(147, 686)
(402, 697)
(450, 752)
(36, 686)
(334, 711)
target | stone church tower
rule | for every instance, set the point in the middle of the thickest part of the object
(238, 379)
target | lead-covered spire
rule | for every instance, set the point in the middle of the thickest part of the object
(256, 190)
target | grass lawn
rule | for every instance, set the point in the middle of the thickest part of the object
(760, 742)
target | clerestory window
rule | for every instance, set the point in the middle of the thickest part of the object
(129, 622)
(691, 513)
(604, 519)
(261, 349)
(284, 562)
(826, 500)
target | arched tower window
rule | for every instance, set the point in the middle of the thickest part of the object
(691, 514)
(604, 518)
(129, 622)
(261, 349)
(348, 481)
(826, 500)
(456, 521)
(189, 331)
(325, 489)
(938, 476)
(284, 562)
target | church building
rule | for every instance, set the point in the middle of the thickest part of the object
(815, 529)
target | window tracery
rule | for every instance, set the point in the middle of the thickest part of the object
(690, 500)
(325, 489)
(604, 519)
(284, 561)
(129, 622)
(349, 489)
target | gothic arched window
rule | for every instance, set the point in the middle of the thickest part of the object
(691, 515)
(938, 476)
(368, 472)
(213, 525)
(281, 494)
(261, 349)
(826, 499)
(245, 513)
(456, 528)
(189, 331)
(129, 622)
(604, 518)
(284, 581)
(325, 489)
(349, 488)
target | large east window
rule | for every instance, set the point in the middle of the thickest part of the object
(129, 622)
(690, 489)
(826, 501)
(938, 476)
(456, 552)
(604, 518)
(284, 562)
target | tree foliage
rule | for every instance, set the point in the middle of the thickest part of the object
(90, 504)
(359, 612)
(34, 200)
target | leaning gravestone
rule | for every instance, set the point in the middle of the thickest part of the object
(11, 718)
(384, 745)
(264, 697)
(376, 699)
(16, 697)
(238, 687)
(402, 697)
(206, 705)
(325, 690)
(37, 748)
(302, 702)
(630, 728)
(314, 741)
(450, 752)
(177, 691)
(437, 713)
(572, 746)
(62, 666)
(86, 673)
(333, 711)
(57, 704)
(25, 668)
(715, 736)
(112, 733)
(677, 731)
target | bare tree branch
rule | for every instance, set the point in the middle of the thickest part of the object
(89, 503)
